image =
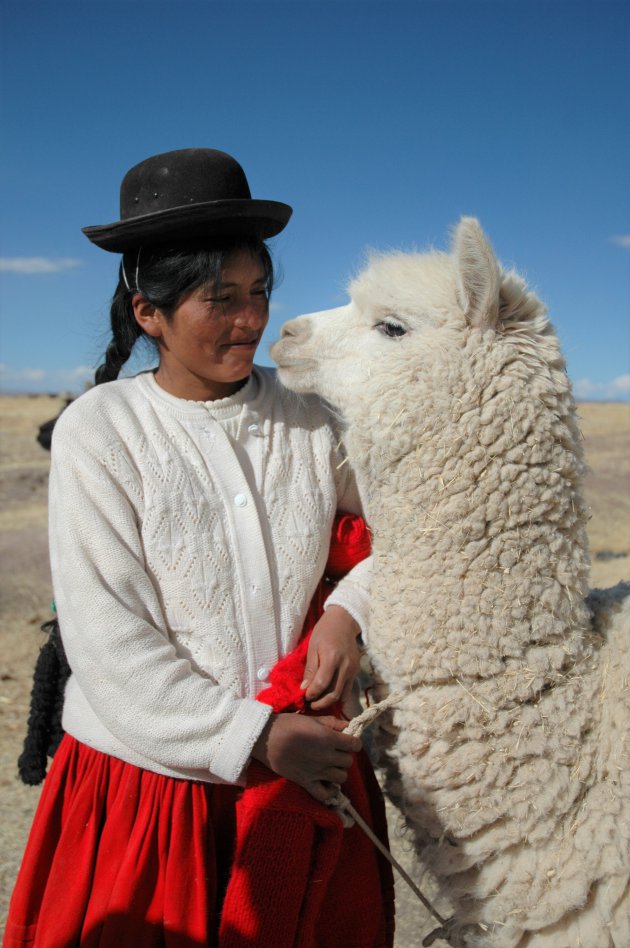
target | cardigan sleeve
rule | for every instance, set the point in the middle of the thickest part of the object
(353, 591)
(114, 631)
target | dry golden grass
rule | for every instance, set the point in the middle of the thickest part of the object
(26, 592)
(606, 430)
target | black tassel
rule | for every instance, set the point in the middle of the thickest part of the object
(44, 731)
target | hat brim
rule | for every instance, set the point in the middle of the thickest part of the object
(230, 218)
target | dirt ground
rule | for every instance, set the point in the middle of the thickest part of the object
(26, 594)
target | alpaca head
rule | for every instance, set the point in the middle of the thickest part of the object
(423, 333)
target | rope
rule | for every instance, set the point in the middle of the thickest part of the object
(357, 725)
(348, 815)
(342, 802)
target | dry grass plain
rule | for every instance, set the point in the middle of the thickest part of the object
(26, 592)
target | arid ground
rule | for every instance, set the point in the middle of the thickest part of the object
(26, 595)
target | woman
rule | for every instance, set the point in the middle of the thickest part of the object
(190, 518)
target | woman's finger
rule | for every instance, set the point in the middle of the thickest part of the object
(321, 791)
(342, 759)
(335, 775)
(338, 689)
(312, 664)
(322, 679)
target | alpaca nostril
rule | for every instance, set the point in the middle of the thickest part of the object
(287, 330)
(298, 329)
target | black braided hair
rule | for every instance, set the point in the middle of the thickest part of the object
(44, 731)
(125, 332)
(164, 276)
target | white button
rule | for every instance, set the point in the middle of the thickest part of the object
(253, 429)
(262, 673)
(240, 500)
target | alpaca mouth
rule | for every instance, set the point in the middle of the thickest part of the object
(287, 358)
(295, 363)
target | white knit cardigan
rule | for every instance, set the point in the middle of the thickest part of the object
(186, 541)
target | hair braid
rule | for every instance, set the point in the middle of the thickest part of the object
(125, 331)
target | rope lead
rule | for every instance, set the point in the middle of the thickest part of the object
(348, 815)
(342, 802)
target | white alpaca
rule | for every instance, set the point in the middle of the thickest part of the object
(509, 753)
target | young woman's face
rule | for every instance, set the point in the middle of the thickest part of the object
(207, 346)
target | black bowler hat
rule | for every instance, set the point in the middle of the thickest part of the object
(187, 195)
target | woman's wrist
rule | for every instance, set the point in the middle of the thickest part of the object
(260, 748)
(345, 618)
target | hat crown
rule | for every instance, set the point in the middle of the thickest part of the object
(189, 176)
(191, 195)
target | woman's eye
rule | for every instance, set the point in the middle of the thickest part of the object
(391, 329)
(219, 299)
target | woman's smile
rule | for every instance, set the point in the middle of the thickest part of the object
(243, 343)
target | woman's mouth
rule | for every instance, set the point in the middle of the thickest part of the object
(242, 343)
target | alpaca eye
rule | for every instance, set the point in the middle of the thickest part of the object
(391, 329)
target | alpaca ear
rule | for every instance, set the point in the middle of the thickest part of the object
(479, 277)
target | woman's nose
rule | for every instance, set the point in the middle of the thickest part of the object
(252, 313)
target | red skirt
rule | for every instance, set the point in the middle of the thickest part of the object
(120, 857)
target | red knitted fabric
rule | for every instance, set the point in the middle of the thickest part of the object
(349, 544)
(299, 879)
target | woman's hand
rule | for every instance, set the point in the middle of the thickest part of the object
(333, 658)
(311, 751)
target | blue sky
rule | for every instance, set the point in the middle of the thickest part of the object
(381, 122)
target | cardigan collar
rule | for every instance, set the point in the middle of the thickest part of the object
(250, 396)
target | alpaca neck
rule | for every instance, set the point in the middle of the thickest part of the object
(479, 541)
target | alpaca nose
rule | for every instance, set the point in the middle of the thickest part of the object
(287, 330)
(293, 328)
